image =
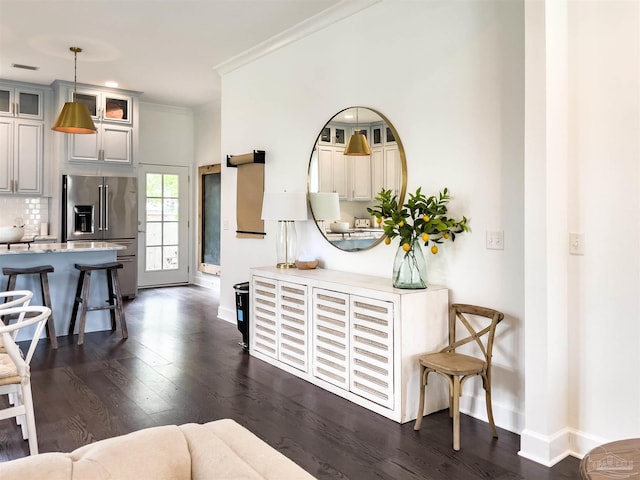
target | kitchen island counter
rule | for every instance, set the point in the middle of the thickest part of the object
(69, 247)
(63, 281)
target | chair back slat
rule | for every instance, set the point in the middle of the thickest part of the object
(27, 316)
(483, 337)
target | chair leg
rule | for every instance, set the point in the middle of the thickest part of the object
(30, 419)
(487, 389)
(119, 305)
(76, 303)
(456, 412)
(423, 386)
(11, 283)
(86, 285)
(46, 300)
(112, 312)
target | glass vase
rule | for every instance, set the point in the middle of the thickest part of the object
(410, 268)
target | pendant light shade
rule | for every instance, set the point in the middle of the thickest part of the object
(358, 145)
(74, 117)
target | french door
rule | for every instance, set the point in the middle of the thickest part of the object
(163, 232)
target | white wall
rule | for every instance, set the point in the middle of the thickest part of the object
(207, 152)
(605, 125)
(449, 76)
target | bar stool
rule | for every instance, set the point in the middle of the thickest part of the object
(41, 270)
(82, 297)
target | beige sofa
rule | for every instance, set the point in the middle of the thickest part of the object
(217, 450)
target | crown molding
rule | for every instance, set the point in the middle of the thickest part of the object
(327, 17)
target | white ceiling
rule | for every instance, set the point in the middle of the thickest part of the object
(167, 49)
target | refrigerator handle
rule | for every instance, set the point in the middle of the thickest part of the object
(106, 207)
(100, 207)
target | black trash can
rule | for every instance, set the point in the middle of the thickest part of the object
(242, 311)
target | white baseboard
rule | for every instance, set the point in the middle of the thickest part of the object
(227, 314)
(550, 449)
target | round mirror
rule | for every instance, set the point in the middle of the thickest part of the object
(346, 174)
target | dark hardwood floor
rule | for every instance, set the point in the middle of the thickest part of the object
(181, 364)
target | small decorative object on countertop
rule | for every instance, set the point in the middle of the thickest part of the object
(306, 265)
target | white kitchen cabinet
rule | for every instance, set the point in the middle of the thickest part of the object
(110, 144)
(281, 321)
(386, 169)
(21, 101)
(332, 164)
(360, 336)
(105, 106)
(21, 157)
(115, 114)
(349, 176)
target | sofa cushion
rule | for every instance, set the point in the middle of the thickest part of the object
(52, 466)
(160, 453)
(233, 452)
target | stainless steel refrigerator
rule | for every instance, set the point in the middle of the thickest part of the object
(104, 209)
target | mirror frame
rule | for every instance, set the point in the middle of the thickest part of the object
(403, 173)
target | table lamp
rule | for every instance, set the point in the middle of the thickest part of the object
(285, 208)
(324, 206)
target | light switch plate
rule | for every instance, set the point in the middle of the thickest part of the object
(576, 243)
(495, 240)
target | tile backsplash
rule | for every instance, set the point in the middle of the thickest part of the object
(32, 211)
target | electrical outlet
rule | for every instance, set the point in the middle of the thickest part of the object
(576, 243)
(495, 240)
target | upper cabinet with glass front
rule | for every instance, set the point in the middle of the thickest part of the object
(21, 101)
(106, 106)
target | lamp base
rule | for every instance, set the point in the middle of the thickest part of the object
(285, 265)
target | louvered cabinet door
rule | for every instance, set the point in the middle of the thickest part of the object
(331, 337)
(371, 336)
(293, 341)
(264, 337)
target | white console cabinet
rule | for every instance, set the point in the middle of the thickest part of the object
(353, 335)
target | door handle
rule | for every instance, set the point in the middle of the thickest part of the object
(106, 207)
(100, 207)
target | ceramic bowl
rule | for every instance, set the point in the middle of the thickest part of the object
(11, 234)
(339, 226)
(306, 265)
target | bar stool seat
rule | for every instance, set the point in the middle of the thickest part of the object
(82, 298)
(42, 270)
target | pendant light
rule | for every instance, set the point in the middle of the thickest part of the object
(358, 145)
(74, 116)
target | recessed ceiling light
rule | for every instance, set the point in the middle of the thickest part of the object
(24, 67)
(111, 84)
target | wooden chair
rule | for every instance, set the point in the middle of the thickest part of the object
(457, 367)
(15, 377)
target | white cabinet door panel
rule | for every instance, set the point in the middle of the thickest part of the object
(293, 343)
(331, 337)
(265, 327)
(372, 349)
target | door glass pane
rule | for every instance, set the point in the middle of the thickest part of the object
(170, 210)
(171, 186)
(154, 233)
(170, 234)
(154, 185)
(170, 258)
(154, 258)
(162, 207)
(154, 209)
(116, 108)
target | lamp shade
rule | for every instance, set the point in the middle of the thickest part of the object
(284, 206)
(74, 118)
(358, 145)
(325, 206)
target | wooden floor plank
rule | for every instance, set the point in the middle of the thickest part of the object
(181, 364)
